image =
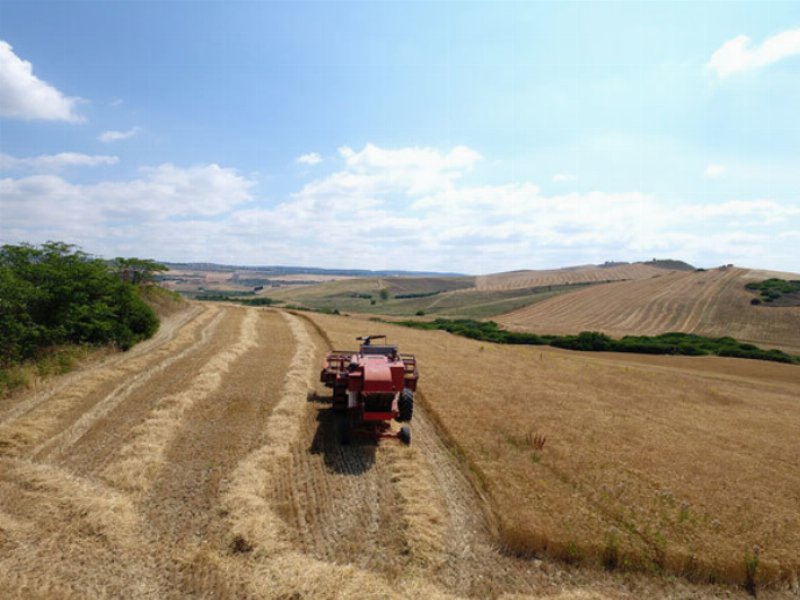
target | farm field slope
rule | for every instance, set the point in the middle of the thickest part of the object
(202, 463)
(713, 303)
(586, 274)
(662, 464)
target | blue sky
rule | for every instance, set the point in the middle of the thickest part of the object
(473, 137)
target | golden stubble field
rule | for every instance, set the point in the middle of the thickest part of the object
(587, 274)
(713, 303)
(203, 463)
(664, 464)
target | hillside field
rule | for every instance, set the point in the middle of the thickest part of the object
(663, 464)
(584, 274)
(472, 297)
(203, 463)
(713, 303)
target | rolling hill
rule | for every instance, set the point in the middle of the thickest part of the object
(582, 274)
(713, 303)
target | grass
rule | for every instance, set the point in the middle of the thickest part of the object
(648, 466)
(53, 361)
(667, 343)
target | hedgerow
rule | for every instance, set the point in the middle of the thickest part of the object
(675, 343)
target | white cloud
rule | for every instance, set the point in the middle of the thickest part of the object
(114, 136)
(416, 169)
(389, 208)
(75, 211)
(55, 162)
(563, 177)
(738, 54)
(742, 212)
(312, 158)
(25, 96)
(715, 171)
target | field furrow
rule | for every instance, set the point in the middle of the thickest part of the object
(713, 303)
(31, 429)
(208, 467)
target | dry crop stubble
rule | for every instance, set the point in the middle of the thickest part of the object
(258, 534)
(250, 497)
(713, 303)
(182, 504)
(37, 425)
(143, 456)
(589, 274)
(646, 466)
(42, 390)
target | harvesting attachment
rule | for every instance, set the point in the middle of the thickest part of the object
(371, 387)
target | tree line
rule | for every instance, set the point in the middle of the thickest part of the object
(55, 294)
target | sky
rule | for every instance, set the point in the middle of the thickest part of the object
(475, 137)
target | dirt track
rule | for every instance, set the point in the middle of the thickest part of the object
(202, 463)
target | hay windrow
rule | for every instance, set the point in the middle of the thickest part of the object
(141, 458)
(32, 426)
(254, 523)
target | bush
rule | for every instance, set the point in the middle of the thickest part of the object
(685, 344)
(772, 289)
(55, 295)
(262, 301)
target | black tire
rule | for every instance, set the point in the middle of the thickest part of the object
(405, 435)
(343, 428)
(405, 406)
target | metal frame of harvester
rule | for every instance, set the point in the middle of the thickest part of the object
(371, 387)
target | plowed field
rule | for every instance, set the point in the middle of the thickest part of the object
(712, 303)
(590, 274)
(202, 464)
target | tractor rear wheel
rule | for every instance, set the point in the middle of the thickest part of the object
(405, 406)
(405, 435)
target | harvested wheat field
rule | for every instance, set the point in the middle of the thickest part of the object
(713, 303)
(661, 464)
(587, 274)
(202, 463)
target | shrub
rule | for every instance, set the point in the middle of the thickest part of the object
(55, 295)
(685, 344)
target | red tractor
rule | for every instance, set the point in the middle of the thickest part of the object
(370, 388)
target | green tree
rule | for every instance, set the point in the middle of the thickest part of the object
(137, 270)
(56, 294)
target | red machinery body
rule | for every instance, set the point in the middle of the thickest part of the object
(370, 388)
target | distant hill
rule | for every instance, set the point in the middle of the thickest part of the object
(276, 270)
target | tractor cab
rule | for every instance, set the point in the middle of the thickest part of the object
(367, 348)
